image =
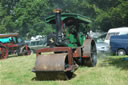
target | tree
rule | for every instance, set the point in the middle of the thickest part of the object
(28, 16)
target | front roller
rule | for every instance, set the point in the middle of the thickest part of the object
(54, 66)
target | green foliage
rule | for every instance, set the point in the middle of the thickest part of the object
(119, 15)
(109, 14)
(2, 29)
(27, 16)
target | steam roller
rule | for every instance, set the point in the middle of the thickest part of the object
(69, 47)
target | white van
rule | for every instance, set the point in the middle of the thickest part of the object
(115, 31)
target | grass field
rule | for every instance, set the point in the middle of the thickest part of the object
(111, 70)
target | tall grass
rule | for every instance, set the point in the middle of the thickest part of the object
(111, 70)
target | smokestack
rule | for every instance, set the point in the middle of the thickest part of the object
(58, 20)
(58, 24)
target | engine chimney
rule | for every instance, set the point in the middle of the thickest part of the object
(58, 25)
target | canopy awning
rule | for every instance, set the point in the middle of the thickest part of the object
(69, 19)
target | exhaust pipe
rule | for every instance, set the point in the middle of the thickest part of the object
(58, 25)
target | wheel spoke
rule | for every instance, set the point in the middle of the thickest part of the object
(3, 52)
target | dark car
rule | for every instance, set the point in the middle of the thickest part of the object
(119, 44)
(36, 44)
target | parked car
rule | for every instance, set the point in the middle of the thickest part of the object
(36, 44)
(119, 44)
(115, 31)
(102, 47)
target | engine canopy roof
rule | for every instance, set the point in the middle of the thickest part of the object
(69, 19)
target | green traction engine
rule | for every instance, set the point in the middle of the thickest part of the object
(70, 47)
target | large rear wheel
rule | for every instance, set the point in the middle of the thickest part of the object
(92, 60)
(3, 52)
(89, 49)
